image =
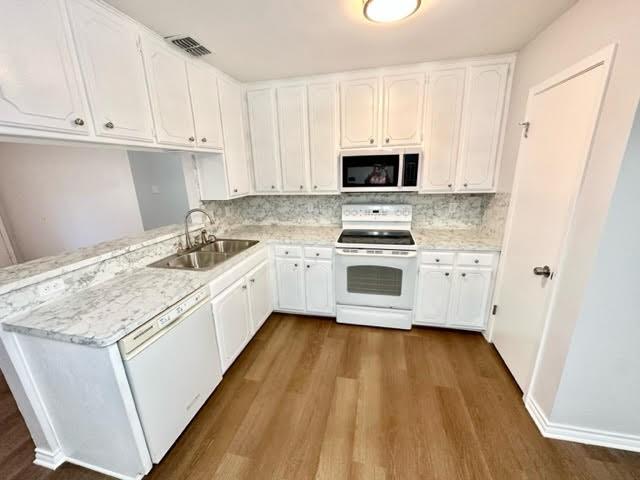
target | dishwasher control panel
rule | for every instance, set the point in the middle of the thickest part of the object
(143, 333)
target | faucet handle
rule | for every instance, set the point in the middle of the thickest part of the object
(179, 246)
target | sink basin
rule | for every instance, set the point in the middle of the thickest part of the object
(205, 257)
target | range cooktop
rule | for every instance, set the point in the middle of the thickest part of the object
(376, 237)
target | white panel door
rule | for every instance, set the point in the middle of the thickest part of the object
(231, 107)
(233, 325)
(203, 85)
(323, 118)
(264, 140)
(290, 278)
(443, 115)
(319, 286)
(433, 295)
(359, 103)
(294, 142)
(260, 295)
(170, 99)
(111, 61)
(470, 297)
(40, 86)
(402, 114)
(482, 114)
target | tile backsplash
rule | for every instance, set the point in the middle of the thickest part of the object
(429, 211)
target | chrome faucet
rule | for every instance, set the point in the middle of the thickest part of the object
(186, 226)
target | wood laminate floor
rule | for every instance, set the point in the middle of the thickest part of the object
(311, 399)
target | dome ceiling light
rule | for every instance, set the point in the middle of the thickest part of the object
(384, 11)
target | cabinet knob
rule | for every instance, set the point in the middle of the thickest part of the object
(109, 125)
(273, 187)
(437, 260)
(78, 121)
(308, 266)
(204, 140)
(386, 140)
(476, 261)
(252, 280)
(301, 187)
(192, 139)
(317, 254)
(235, 190)
(446, 274)
(286, 252)
(464, 274)
(466, 185)
(315, 187)
(295, 264)
(244, 287)
(450, 185)
(371, 141)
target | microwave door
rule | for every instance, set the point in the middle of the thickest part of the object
(370, 172)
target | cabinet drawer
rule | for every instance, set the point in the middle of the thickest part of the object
(437, 258)
(318, 252)
(480, 259)
(288, 251)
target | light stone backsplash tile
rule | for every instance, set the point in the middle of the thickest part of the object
(429, 211)
(495, 214)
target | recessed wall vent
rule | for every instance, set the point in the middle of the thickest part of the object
(189, 45)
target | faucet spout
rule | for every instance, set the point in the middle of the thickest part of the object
(186, 224)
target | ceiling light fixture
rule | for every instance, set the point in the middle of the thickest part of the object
(385, 11)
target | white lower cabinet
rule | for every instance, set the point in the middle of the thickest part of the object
(318, 280)
(260, 297)
(290, 278)
(231, 314)
(454, 289)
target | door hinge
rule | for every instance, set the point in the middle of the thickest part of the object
(494, 310)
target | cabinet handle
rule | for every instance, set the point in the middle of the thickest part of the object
(204, 140)
(386, 140)
(252, 280)
(301, 187)
(315, 187)
(244, 287)
(78, 121)
(273, 187)
(466, 185)
(235, 190)
(446, 274)
(464, 274)
(476, 261)
(192, 139)
(286, 252)
(317, 254)
(308, 266)
(437, 260)
(109, 125)
(371, 141)
(450, 185)
(295, 264)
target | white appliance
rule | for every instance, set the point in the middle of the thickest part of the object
(173, 366)
(381, 170)
(376, 266)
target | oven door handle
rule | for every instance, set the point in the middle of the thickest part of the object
(409, 254)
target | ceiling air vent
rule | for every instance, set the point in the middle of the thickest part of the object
(189, 45)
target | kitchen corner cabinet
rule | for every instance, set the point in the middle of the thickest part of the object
(40, 85)
(231, 108)
(206, 106)
(294, 143)
(359, 104)
(482, 128)
(402, 109)
(264, 140)
(170, 100)
(111, 60)
(442, 125)
(323, 128)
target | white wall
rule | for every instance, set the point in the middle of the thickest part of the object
(600, 386)
(584, 29)
(61, 198)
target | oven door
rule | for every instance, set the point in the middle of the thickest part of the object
(375, 280)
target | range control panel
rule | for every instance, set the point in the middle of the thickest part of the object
(372, 213)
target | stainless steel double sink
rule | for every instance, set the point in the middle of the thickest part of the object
(205, 257)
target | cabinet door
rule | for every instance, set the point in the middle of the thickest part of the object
(402, 114)
(264, 140)
(231, 314)
(322, 137)
(319, 286)
(292, 129)
(290, 278)
(170, 99)
(470, 303)
(482, 129)
(111, 61)
(442, 129)
(40, 87)
(260, 296)
(359, 103)
(203, 85)
(434, 295)
(231, 106)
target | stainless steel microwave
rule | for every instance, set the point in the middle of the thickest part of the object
(394, 170)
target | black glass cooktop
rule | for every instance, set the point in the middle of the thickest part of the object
(377, 237)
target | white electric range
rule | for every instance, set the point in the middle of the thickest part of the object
(376, 266)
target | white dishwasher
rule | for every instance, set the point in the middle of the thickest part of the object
(173, 366)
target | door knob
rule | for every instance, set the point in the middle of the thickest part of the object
(542, 271)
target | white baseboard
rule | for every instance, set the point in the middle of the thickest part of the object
(47, 459)
(104, 471)
(587, 436)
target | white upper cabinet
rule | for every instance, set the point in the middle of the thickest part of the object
(402, 112)
(359, 104)
(470, 298)
(483, 110)
(40, 86)
(170, 99)
(264, 140)
(111, 61)
(442, 129)
(203, 86)
(293, 129)
(323, 129)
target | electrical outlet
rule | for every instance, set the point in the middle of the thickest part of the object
(49, 288)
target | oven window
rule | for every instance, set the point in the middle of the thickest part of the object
(370, 171)
(374, 280)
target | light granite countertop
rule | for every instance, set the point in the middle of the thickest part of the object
(101, 315)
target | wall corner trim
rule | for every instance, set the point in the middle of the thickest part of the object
(559, 431)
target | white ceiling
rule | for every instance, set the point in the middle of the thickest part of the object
(265, 39)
